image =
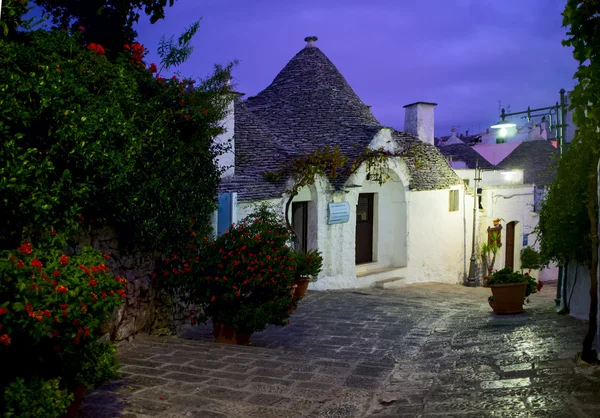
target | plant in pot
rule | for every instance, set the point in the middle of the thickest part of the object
(530, 259)
(308, 265)
(489, 250)
(509, 290)
(242, 280)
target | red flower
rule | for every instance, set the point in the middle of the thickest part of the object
(76, 322)
(80, 218)
(127, 47)
(98, 49)
(106, 256)
(213, 299)
(62, 289)
(3, 311)
(36, 263)
(153, 69)
(81, 28)
(104, 295)
(5, 339)
(53, 232)
(540, 285)
(54, 283)
(64, 260)
(56, 273)
(93, 282)
(25, 248)
(204, 111)
(20, 264)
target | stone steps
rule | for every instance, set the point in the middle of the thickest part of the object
(391, 283)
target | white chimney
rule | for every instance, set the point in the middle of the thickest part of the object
(226, 141)
(418, 120)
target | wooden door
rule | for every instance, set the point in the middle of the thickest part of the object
(364, 228)
(300, 225)
(510, 245)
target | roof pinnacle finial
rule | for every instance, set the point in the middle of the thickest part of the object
(310, 41)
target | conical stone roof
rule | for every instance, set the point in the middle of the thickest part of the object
(309, 103)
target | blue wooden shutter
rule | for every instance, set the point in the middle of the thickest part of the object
(227, 213)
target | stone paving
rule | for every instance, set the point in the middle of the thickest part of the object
(427, 350)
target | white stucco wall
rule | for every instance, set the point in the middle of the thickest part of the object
(578, 291)
(226, 161)
(436, 237)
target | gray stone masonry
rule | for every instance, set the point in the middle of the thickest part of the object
(427, 350)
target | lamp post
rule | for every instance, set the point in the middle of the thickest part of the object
(471, 279)
(557, 112)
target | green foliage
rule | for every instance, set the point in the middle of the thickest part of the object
(107, 22)
(530, 258)
(83, 135)
(35, 398)
(308, 264)
(507, 275)
(489, 249)
(242, 278)
(173, 54)
(565, 225)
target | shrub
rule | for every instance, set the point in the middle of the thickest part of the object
(308, 264)
(530, 259)
(36, 398)
(507, 275)
(242, 278)
(108, 141)
(51, 307)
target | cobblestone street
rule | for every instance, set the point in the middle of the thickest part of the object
(420, 351)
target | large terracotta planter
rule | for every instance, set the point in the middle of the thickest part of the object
(302, 286)
(73, 409)
(508, 298)
(228, 335)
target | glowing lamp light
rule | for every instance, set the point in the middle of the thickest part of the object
(503, 124)
(503, 132)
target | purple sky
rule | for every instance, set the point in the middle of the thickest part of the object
(465, 55)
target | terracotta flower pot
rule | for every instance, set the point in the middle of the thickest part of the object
(302, 284)
(73, 409)
(508, 298)
(228, 335)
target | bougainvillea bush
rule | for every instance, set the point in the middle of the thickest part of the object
(51, 307)
(242, 278)
(110, 141)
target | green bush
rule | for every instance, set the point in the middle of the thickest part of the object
(106, 142)
(530, 259)
(308, 264)
(243, 278)
(507, 275)
(36, 398)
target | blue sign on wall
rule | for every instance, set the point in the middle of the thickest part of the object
(525, 240)
(339, 213)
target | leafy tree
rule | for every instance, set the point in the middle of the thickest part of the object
(568, 226)
(106, 22)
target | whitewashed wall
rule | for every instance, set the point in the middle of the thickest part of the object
(437, 237)
(226, 161)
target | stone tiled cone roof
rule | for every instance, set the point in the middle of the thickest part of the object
(537, 159)
(428, 169)
(310, 105)
(465, 153)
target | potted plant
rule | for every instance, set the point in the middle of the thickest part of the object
(489, 249)
(242, 280)
(530, 259)
(509, 290)
(308, 265)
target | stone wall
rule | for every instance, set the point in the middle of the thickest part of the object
(146, 308)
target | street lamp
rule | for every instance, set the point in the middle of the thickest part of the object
(558, 113)
(471, 279)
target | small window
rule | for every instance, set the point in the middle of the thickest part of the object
(453, 206)
(467, 182)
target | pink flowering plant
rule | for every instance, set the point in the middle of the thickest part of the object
(243, 278)
(52, 306)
